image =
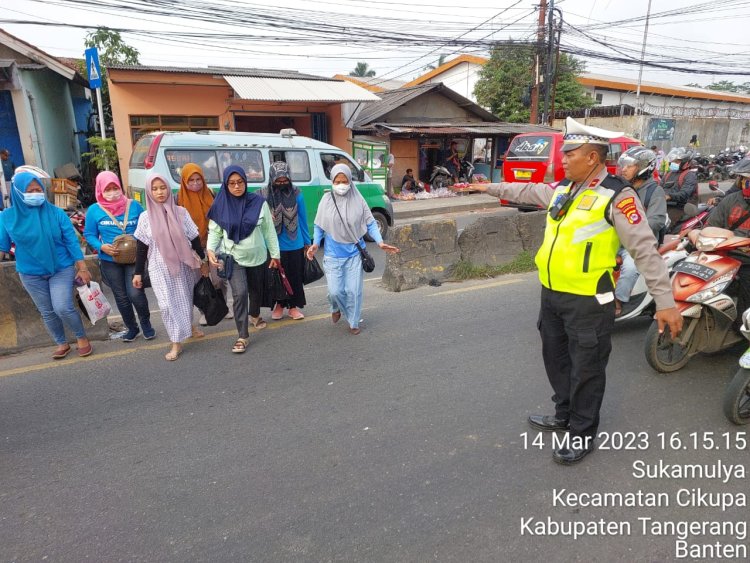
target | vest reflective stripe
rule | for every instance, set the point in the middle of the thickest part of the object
(580, 248)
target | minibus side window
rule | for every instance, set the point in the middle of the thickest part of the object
(250, 160)
(206, 159)
(298, 161)
(330, 159)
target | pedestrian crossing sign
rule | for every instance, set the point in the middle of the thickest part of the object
(93, 68)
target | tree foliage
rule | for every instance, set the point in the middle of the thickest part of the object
(362, 70)
(505, 83)
(724, 86)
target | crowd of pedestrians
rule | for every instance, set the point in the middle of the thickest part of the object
(234, 238)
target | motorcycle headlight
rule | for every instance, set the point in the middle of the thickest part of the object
(708, 243)
(713, 289)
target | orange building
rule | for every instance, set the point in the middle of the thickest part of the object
(147, 98)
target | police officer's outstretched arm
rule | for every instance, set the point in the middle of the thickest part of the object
(519, 192)
(627, 215)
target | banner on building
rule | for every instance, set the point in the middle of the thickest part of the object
(660, 129)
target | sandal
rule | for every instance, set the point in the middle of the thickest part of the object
(240, 346)
(258, 322)
(355, 331)
(85, 351)
(336, 316)
(172, 355)
(61, 352)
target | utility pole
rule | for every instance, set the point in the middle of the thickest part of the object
(548, 71)
(638, 105)
(534, 117)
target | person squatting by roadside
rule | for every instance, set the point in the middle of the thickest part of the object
(343, 218)
(165, 236)
(48, 259)
(112, 215)
(636, 166)
(590, 214)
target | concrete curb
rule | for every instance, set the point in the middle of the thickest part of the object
(413, 209)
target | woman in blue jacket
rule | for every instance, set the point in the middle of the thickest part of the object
(106, 220)
(48, 259)
(290, 221)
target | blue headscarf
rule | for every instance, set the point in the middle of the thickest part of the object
(238, 216)
(32, 228)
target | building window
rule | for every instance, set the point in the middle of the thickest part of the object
(599, 98)
(142, 124)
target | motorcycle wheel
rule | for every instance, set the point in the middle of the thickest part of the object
(737, 398)
(662, 354)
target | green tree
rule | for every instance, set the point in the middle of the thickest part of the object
(362, 70)
(112, 50)
(505, 83)
(724, 86)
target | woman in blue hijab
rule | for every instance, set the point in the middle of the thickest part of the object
(241, 225)
(48, 259)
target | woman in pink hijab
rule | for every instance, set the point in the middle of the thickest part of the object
(112, 215)
(165, 236)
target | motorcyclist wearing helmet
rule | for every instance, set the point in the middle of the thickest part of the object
(680, 183)
(739, 169)
(636, 166)
(733, 213)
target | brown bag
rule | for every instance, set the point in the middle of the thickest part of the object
(125, 243)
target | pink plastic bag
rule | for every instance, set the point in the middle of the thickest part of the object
(92, 302)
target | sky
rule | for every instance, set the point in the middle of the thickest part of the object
(716, 37)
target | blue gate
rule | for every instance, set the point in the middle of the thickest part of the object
(9, 138)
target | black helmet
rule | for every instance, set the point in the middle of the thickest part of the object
(643, 158)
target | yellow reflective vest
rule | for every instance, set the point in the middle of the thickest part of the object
(579, 250)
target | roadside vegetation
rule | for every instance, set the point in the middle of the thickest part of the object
(465, 270)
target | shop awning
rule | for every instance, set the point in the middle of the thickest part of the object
(447, 128)
(258, 88)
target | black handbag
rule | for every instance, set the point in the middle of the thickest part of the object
(210, 301)
(313, 272)
(368, 262)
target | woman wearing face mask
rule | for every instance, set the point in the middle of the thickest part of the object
(290, 220)
(48, 259)
(195, 196)
(241, 226)
(165, 236)
(104, 222)
(343, 218)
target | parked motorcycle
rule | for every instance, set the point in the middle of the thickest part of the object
(737, 394)
(440, 177)
(706, 298)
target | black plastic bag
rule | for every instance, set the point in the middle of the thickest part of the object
(277, 287)
(210, 301)
(313, 272)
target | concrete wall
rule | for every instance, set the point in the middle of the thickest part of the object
(430, 248)
(21, 325)
(54, 121)
(714, 134)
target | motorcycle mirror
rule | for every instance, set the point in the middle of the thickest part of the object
(713, 185)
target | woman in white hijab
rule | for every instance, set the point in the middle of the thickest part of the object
(343, 218)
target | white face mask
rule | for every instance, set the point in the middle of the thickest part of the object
(112, 195)
(341, 189)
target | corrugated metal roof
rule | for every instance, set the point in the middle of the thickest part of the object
(297, 90)
(223, 71)
(396, 98)
(446, 128)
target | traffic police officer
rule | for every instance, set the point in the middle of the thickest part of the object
(590, 213)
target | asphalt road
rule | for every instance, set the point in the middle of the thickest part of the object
(402, 444)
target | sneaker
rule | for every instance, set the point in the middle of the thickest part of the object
(296, 314)
(277, 313)
(148, 331)
(131, 335)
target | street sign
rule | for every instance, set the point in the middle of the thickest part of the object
(93, 68)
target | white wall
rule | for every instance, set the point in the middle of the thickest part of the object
(614, 98)
(461, 78)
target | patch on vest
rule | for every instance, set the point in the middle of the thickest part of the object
(587, 202)
(627, 207)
